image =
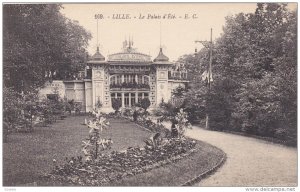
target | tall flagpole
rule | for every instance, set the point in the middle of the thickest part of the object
(209, 72)
(209, 77)
(97, 34)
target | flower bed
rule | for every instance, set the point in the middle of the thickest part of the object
(109, 168)
(104, 169)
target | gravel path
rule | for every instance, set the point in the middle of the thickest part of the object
(250, 161)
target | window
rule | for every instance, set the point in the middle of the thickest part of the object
(119, 79)
(140, 79)
(52, 97)
(113, 80)
(146, 95)
(140, 97)
(113, 96)
(126, 99)
(146, 80)
(126, 78)
(119, 96)
(132, 99)
(131, 77)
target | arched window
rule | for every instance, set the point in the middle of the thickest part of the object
(126, 78)
(146, 80)
(119, 79)
(140, 81)
(113, 80)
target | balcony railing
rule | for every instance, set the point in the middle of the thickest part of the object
(177, 75)
(129, 86)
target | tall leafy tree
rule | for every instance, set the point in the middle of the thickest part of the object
(37, 39)
(254, 72)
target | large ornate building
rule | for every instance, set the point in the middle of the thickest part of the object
(128, 75)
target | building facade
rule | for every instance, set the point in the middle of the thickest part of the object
(129, 76)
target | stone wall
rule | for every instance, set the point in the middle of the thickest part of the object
(57, 86)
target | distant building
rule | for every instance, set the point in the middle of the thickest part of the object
(128, 75)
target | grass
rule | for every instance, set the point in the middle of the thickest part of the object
(28, 155)
(176, 174)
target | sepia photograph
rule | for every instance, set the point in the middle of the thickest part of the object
(167, 94)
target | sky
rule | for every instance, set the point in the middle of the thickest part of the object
(144, 23)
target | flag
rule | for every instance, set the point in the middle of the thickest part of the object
(205, 76)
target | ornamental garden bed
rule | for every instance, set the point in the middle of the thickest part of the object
(27, 156)
(203, 161)
(113, 167)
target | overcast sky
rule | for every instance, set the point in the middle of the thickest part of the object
(177, 34)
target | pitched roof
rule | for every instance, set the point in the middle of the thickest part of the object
(98, 56)
(161, 57)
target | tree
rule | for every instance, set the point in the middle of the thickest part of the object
(116, 104)
(39, 40)
(145, 103)
(254, 72)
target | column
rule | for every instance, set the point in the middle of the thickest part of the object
(143, 79)
(123, 103)
(129, 99)
(122, 78)
(136, 97)
(136, 78)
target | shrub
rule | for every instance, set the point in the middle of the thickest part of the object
(11, 109)
(145, 103)
(116, 104)
(127, 112)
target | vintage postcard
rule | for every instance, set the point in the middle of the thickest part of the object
(150, 94)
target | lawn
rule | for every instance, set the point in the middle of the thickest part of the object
(28, 155)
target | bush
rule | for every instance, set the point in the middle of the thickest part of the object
(12, 109)
(145, 103)
(116, 104)
(127, 112)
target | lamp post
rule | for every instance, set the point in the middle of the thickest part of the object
(208, 44)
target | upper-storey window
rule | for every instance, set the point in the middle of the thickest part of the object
(146, 80)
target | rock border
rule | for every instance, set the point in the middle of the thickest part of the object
(202, 175)
(208, 172)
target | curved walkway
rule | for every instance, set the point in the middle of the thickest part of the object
(250, 161)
